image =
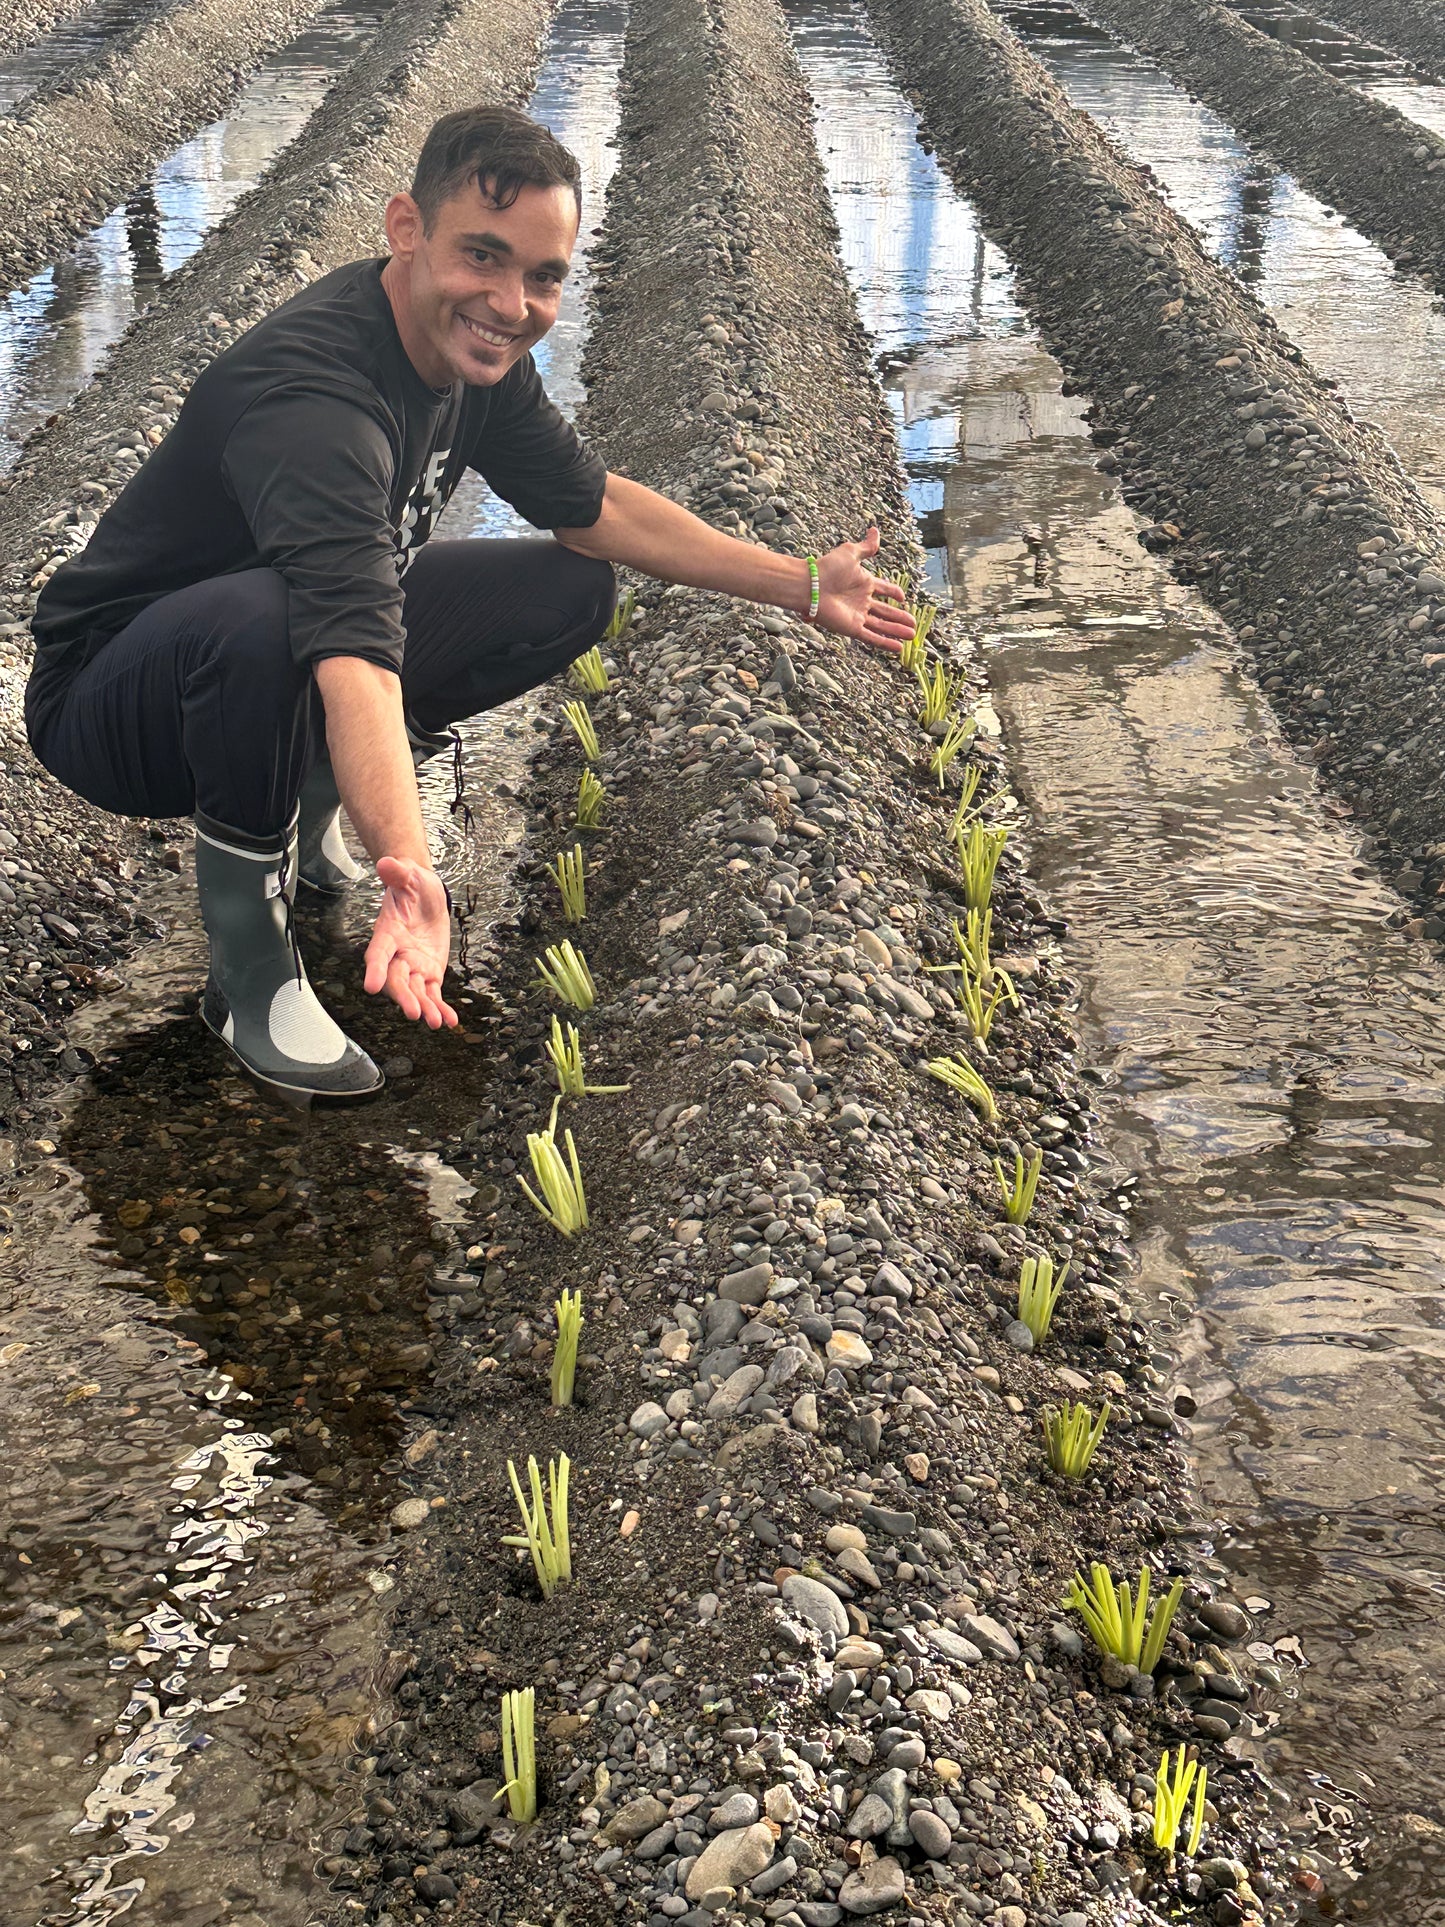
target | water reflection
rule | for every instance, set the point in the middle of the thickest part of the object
(1329, 288)
(55, 331)
(47, 59)
(1276, 1050)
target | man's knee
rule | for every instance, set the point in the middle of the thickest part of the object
(590, 588)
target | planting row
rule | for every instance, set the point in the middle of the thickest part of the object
(838, 1226)
(1387, 173)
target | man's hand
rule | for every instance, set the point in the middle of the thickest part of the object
(852, 602)
(412, 942)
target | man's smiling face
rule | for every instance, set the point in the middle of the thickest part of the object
(483, 287)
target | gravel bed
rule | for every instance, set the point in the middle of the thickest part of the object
(1412, 28)
(813, 1666)
(1382, 170)
(67, 871)
(1294, 520)
(26, 21)
(73, 150)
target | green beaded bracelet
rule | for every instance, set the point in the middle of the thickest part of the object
(814, 588)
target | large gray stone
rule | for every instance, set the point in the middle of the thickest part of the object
(637, 1818)
(954, 1646)
(817, 1604)
(995, 1640)
(731, 1860)
(871, 1890)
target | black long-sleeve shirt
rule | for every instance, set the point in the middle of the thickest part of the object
(312, 446)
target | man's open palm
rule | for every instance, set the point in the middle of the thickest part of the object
(853, 602)
(411, 945)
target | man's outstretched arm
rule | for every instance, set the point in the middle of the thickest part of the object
(643, 530)
(376, 780)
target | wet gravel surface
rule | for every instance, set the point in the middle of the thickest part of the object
(74, 149)
(27, 21)
(813, 1665)
(1293, 520)
(1385, 172)
(1412, 28)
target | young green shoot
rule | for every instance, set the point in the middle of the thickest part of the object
(1171, 1796)
(938, 690)
(564, 972)
(981, 1011)
(979, 850)
(519, 1754)
(570, 876)
(545, 1532)
(580, 718)
(563, 1202)
(915, 651)
(621, 617)
(1072, 1435)
(590, 798)
(960, 734)
(968, 790)
(589, 672)
(1038, 1294)
(961, 1076)
(568, 1308)
(1117, 1623)
(565, 1050)
(1018, 1197)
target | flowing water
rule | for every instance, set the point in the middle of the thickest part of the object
(1274, 1050)
(57, 329)
(191, 1640)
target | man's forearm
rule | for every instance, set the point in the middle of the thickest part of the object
(371, 758)
(640, 529)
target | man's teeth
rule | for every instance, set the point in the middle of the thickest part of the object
(496, 341)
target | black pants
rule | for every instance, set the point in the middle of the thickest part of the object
(199, 704)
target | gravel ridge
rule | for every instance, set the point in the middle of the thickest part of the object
(27, 21)
(1406, 27)
(73, 150)
(1381, 169)
(1294, 520)
(812, 1667)
(67, 871)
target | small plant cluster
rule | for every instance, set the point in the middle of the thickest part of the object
(1121, 1625)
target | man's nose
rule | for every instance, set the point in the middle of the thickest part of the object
(508, 299)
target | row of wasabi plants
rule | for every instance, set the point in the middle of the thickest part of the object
(1115, 1612)
(558, 1194)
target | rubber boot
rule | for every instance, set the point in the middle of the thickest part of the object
(325, 864)
(258, 1000)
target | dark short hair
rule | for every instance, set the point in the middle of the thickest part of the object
(500, 148)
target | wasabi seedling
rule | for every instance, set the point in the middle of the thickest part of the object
(590, 798)
(981, 1012)
(1116, 1623)
(580, 718)
(960, 734)
(570, 876)
(548, 1539)
(979, 850)
(564, 972)
(961, 1076)
(568, 1308)
(939, 691)
(565, 1050)
(1072, 1435)
(1171, 1795)
(968, 790)
(1038, 1294)
(1018, 1198)
(563, 1202)
(915, 651)
(621, 617)
(590, 672)
(519, 1754)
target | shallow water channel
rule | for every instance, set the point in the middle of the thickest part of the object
(190, 1629)
(1274, 1051)
(46, 59)
(57, 329)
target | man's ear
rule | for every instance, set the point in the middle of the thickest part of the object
(404, 225)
